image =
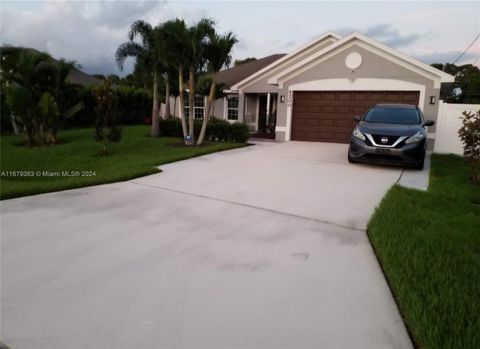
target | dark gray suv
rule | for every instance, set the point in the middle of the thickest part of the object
(390, 134)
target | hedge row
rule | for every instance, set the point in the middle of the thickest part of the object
(217, 130)
(134, 105)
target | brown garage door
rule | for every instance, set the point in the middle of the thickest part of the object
(327, 116)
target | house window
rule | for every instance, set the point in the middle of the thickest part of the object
(232, 108)
(186, 107)
(199, 106)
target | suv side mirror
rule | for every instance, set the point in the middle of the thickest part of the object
(429, 123)
(357, 118)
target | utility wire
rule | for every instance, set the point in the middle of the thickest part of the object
(455, 61)
(476, 59)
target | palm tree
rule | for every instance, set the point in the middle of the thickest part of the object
(61, 92)
(198, 35)
(174, 37)
(218, 54)
(38, 92)
(29, 74)
(147, 55)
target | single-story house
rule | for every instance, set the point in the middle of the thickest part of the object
(79, 77)
(312, 93)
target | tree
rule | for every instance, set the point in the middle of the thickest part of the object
(107, 129)
(147, 56)
(99, 76)
(243, 61)
(469, 133)
(198, 37)
(175, 36)
(63, 93)
(466, 88)
(218, 54)
(29, 74)
(38, 92)
(468, 79)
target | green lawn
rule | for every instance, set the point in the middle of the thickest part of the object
(428, 244)
(136, 155)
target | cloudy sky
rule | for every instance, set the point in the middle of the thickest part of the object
(89, 32)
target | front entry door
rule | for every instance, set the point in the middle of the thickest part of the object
(262, 114)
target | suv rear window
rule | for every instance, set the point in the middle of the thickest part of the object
(403, 116)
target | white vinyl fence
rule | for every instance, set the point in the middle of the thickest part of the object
(447, 126)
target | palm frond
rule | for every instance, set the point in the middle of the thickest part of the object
(74, 110)
(142, 29)
(128, 49)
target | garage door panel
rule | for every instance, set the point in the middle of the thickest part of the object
(345, 96)
(376, 96)
(393, 96)
(343, 123)
(327, 116)
(410, 98)
(343, 109)
(329, 96)
(359, 110)
(361, 96)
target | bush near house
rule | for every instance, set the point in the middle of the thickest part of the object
(428, 244)
(217, 130)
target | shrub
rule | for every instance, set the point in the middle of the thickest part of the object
(107, 129)
(217, 130)
(86, 117)
(134, 104)
(470, 135)
(6, 126)
(171, 127)
(239, 132)
(271, 122)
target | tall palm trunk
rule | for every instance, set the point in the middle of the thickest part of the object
(14, 124)
(211, 97)
(155, 121)
(191, 103)
(167, 97)
(181, 108)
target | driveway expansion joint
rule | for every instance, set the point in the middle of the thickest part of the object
(250, 206)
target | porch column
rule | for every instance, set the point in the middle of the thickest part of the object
(268, 105)
(246, 117)
(241, 107)
(225, 101)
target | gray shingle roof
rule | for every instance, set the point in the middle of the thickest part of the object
(80, 78)
(231, 76)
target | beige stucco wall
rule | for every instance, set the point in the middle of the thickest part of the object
(260, 84)
(217, 108)
(373, 66)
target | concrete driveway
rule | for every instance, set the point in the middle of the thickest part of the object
(261, 247)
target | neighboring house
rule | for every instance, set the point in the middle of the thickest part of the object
(78, 77)
(314, 92)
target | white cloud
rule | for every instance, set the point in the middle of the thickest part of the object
(90, 32)
(87, 32)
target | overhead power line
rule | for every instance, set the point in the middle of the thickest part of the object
(471, 44)
(476, 60)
